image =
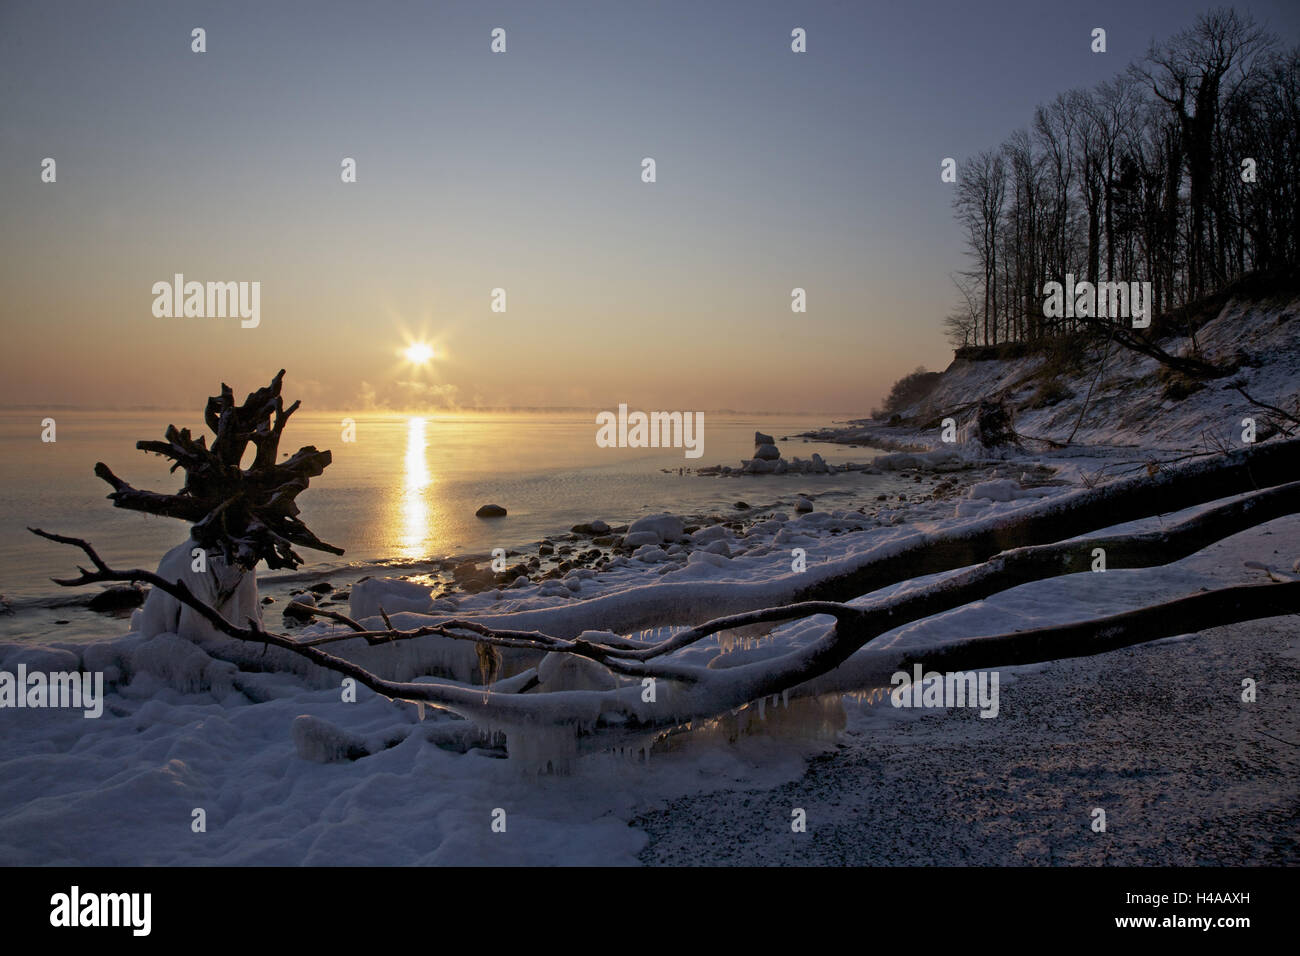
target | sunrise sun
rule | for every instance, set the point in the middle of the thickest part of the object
(418, 353)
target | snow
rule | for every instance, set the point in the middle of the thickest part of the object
(567, 672)
(319, 740)
(229, 590)
(666, 527)
(1001, 489)
(1129, 409)
(370, 595)
(177, 735)
(270, 750)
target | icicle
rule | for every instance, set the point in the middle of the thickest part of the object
(419, 706)
(762, 713)
(785, 698)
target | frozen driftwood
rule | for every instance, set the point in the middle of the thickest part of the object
(245, 514)
(546, 727)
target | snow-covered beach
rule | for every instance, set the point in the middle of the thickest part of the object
(208, 752)
(183, 733)
(1156, 735)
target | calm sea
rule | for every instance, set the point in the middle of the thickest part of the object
(403, 493)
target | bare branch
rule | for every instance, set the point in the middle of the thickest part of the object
(1240, 386)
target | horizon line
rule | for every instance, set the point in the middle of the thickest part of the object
(407, 411)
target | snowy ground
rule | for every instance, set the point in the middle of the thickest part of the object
(1156, 735)
(1150, 733)
(1128, 405)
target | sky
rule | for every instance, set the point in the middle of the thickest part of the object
(521, 171)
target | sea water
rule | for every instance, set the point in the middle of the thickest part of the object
(402, 493)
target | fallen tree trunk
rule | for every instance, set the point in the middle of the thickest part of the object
(576, 721)
(582, 721)
(1131, 499)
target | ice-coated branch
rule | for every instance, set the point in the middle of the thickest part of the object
(1130, 499)
(1023, 565)
(695, 693)
(454, 629)
(1186, 615)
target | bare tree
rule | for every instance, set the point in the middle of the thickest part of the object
(1179, 172)
(981, 193)
(1189, 74)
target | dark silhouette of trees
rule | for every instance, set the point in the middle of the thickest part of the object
(1180, 172)
(908, 390)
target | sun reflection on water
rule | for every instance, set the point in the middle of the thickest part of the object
(414, 535)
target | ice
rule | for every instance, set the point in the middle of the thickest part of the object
(322, 742)
(231, 591)
(179, 664)
(370, 595)
(563, 671)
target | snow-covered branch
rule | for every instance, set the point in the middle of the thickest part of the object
(621, 712)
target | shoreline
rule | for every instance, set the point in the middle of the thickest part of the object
(438, 572)
(895, 787)
(919, 491)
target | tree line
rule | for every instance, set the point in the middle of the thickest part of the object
(1180, 171)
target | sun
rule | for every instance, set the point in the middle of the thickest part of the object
(418, 353)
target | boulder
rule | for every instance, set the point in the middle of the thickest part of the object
(117, 599)
(650, 554)
(767, 452)
(638, 538)
(715, 532)
(291, 610)
(667, 527)
(393, 596)
(490, 511)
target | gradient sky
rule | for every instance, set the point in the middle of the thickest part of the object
(521, 171)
